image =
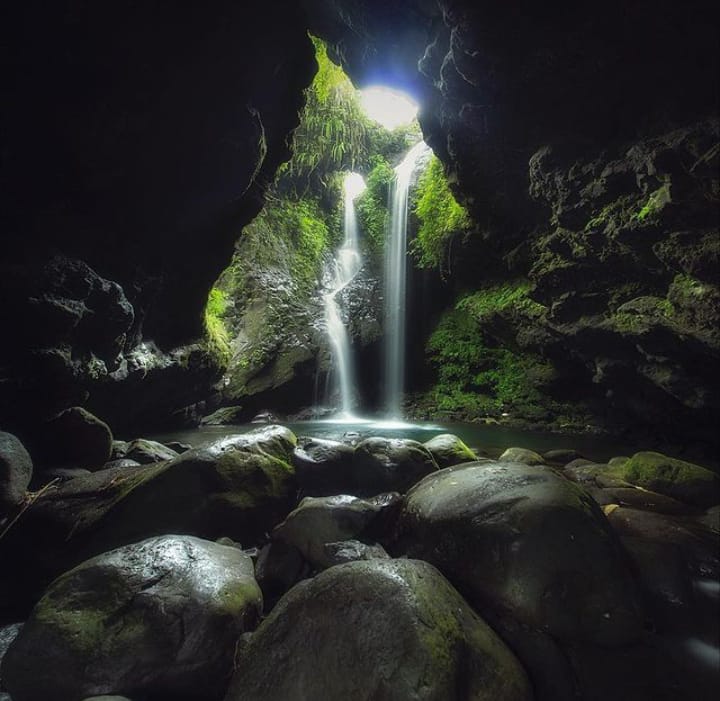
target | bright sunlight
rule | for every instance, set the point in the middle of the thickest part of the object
(389, 107)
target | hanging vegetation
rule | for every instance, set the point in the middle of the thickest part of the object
(440, 217)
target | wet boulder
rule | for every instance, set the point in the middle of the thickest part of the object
(353, 550)
(273, 440)
(324, 467)
(16, 470)
(207, 493)
(145, 451)
(223, 416)
(390, 629)
(522, 455)
(525, 541)
(448, 449)
(77, 438)
(318, 521)
(161, 616)
(390, 465)
(561, 456)
(678, 479)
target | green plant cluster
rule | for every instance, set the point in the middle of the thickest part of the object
(372, 205)
(333, 130)
(512, 295)
(439, 215)
(474, 377)
(217, 335)
(655, 203)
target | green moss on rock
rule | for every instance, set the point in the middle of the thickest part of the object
(681, 480)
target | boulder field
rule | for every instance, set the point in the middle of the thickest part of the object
(263, 566)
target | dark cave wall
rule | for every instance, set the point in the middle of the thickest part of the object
(138, 138)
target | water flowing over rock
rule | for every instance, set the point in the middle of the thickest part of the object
(395, 281)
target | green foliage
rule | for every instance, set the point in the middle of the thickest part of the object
(655, 203)
(216, 334)
(511, 295)
(474, 377)
(372, 205)
(439, 214)
(332, 134)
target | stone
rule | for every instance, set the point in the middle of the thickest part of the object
(16, 469)
(525, 541)
(390, 629)
(105, 697)
(119, 449)
(390, 465)
(121, 462)
(324, 467)
(145, 451)
(161, 616)
(320, 520)
(279, 566)
(448, 449)
(67, 473)
(273, 440)
(561, 456)
(353, 550)
(584, 472)
(698, 545)
(522, 455)
(237, 493)
(223, 416)
(678, 479)
(640, 499)
(76, 438)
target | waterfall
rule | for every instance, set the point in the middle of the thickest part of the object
(395, 277)
(345, 267)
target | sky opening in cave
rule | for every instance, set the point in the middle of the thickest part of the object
(387, 106)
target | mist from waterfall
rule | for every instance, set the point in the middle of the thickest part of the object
(346, 265)
(395, 282)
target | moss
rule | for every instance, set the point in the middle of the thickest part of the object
(439, 215)
(372, 205)
(676, 478)
(474, 377)
(655, 203)
(216, 334)
(509, 296)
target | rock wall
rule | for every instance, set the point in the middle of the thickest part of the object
(137, 140)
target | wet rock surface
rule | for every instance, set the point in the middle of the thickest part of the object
(16, 470)
(161, 616)
(524, 540)
(412, 637)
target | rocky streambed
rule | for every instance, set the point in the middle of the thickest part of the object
(270, 566)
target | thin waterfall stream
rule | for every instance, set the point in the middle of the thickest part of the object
(346, 265)
(395, 282)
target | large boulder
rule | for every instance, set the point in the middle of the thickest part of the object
(157, 617)
(390, 465)
(318, 521)
(448, 450)
(324, 467)
(15, 471)
(384, 629)
(525, 541)
(522, 455)
(238, 491)
(77, 438)
(675, 478)
(273, 440)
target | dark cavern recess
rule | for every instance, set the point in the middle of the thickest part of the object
(297, 404)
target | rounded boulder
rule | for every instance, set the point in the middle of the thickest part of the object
(157, 617)
(524, 541)
(381, 629)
